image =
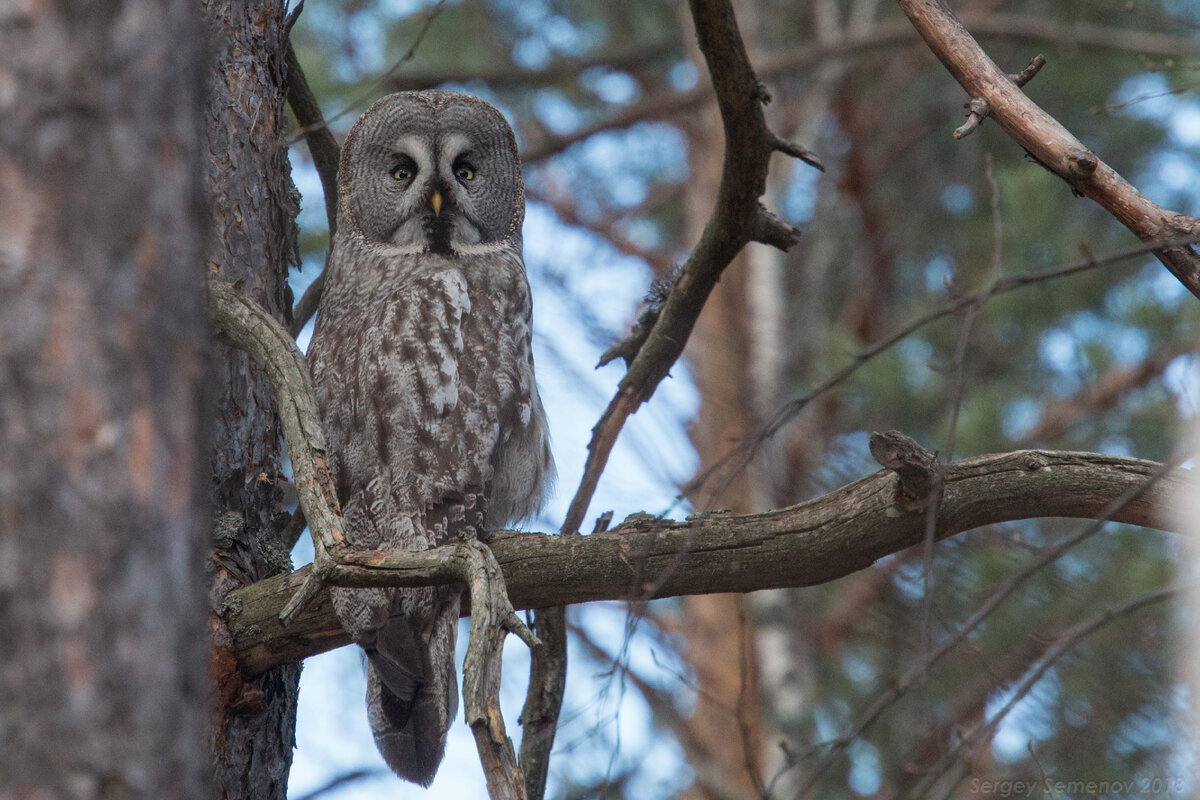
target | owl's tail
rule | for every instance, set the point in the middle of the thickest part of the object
(412, 687)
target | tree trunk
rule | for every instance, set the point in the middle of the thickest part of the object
(253, 210)
(102, 684)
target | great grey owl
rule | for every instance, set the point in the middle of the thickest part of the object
(422, 365)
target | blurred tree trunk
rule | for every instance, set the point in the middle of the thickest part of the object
(253, 209)
(102, 684)
(719, 628)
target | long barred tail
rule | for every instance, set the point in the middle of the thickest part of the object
(412, 686)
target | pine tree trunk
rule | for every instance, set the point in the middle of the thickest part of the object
(253, 209)
(719, 628)
(102, 527)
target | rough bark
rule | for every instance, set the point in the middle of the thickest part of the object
(253, 206)
(102, 684)
(803, 545)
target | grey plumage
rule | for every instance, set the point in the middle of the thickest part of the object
(424, 374)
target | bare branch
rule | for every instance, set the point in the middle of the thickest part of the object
(321, 144)
(543, 699)
(804, 545)
(325, 155)
(737, 219)
(272, 347)
(492, 617)
(1052, 145)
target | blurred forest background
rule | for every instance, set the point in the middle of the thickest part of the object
(792, 693)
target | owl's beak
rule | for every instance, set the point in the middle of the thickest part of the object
(436, 202)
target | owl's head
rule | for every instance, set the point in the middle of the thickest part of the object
(432, 171)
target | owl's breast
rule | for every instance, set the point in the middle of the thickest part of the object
(499, 333)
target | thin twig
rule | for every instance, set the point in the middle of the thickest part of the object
(726, 468)
(983, 733)
(341, 781)
(957, 394)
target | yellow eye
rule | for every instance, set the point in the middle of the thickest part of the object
(465, 173)
(401, 173)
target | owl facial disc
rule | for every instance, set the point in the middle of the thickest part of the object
(432, 172)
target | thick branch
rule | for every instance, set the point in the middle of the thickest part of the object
(812, 543)
(253, 330)
(1049, 142)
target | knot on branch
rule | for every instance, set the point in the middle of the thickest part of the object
(978, 108)
(1032, 68)
(916, 468)
(762, 93)
(1081, 163)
